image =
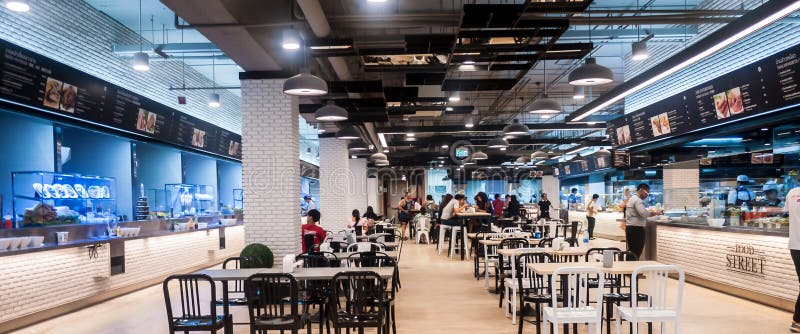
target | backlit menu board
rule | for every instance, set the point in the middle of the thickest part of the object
(32, 80)
(764, 86)
(586, 164)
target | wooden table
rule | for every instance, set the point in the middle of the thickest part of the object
(497, 242)
(300, 274)
(484, 217)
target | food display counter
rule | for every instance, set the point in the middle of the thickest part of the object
(59, 277)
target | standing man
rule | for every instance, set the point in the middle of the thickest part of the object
(404, 208)
(544, 207)
(591, 212)
(636, 215)
(573, 199)
(793, 208)
(498, 205)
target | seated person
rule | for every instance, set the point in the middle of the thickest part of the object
(311, 227)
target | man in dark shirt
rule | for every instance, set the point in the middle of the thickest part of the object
(311, 227)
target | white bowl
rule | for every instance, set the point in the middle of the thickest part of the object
(202, 225)
(24, 242)
(4, 243)
(228, 221)
(14, 243)
(36, 241)
(716, 222)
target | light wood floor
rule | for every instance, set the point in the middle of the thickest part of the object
(438, 296)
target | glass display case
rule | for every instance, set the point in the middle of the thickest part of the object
(238, 198)
(158, 203)
(46, 198)
(189, 200)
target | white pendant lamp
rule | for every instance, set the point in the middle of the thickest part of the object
(591, 74)
(468, 161)
(378, 156)
(305, 84)
(291, 40)
(381, 163)
(639, 50)
(515, 129)
(578, 92)
(330, 113)
(539, 155)
(348, 133)
(497, 142)
(522, 160)
(18, 6)
(479, 156)
(213, 100)
(141, 61)
(602, 153)
(357, 146)
(545, 105)
(470, 123)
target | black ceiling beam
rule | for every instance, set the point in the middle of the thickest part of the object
(557, 7)
(491, 16)
(355, 86)
(428, 78)
(405, 68)
(412, 109)
(548, 32)
(490, 128)
(478, 84)
(442, 140)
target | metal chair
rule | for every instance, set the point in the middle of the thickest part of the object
(193, 316)
(502, 268)
(576, 308)
(268, 296)
(358, 301)
(659, 309)
(316, 292)
(532, 287)
(365, 247)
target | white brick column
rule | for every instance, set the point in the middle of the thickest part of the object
(271, 166)
(335, 183)
(358, 190)
(681, 185)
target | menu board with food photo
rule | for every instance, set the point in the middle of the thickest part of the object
(233, 148)
(624, 135)
(52, 93)
(198, 138)
(660, 124)
(146, 121)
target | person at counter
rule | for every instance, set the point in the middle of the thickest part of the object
(311, 228)
(771, 199)
(741, 195)
(636, 215)
(544, 207)
(306, 205)
(793, 209)
(498, 205)
(591, 212)
(574, 198)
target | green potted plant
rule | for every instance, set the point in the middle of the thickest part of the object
(256, 256)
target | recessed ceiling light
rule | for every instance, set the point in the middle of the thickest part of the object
(764, 129)
(469, 62)
(767, 144)
(409, 134)
(291, 40)
(448, 109)
(467, 68)
(18, 6)
(445, 146)
(353, 157)
(454, 98)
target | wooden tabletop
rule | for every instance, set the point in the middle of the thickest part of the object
(619, 268)
(301, 274)
(571, 251)
(497, 242)
(473, 214)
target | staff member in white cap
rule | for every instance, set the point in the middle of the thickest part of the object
(741, 194)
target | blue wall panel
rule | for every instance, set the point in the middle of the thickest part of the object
(37, 153)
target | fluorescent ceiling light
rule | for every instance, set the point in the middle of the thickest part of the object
(18, 6)
(576, 150)
(382, 138)
(454, 98)
(291, 40)
(409, 134)
(467, 68)
(448, 109)
(794, 6)
(469, 62)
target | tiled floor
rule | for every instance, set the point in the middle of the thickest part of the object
(438, 296)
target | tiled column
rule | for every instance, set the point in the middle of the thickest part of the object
(358, 189)
(335, 183)
(681, 185)
(271, 166)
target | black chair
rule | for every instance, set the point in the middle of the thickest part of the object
(316, 292)
(532, 288)
(339, 246)
(380, 260)
(193, 316)
(478, 256)
(616, 298)
(269, 295)
(358, 301)
(234, 287)
(502, 267)
(546, 242)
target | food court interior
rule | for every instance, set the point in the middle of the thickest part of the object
(388, 166)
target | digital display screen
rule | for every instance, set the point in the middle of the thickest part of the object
(462, 152)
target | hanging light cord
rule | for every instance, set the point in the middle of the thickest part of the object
(141, 37)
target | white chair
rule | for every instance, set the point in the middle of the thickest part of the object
(364, 247)
(490, 256)
(576, 306)
(423, 228)
(443, 229)
(512, 284)
(453, 234)
(662, 305)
